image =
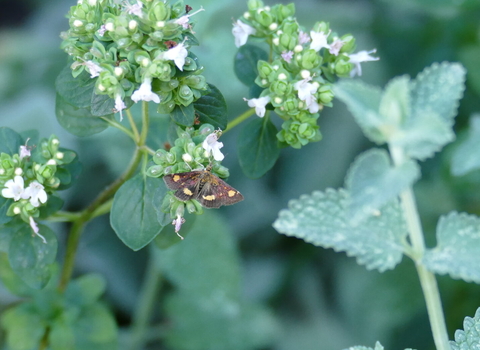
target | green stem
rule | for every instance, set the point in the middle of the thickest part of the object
(120, 127)
(145, 124)
(146, 304)
(63, 216)
(241, 118)
(427, 279)
(133, 125)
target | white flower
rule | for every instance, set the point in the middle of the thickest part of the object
(36, 230)
(336, 46)
(93, 68)
(183, 21)
(178, 222)
(303, 38)
(176, 54)
(241, 31)
(24, 151)
(14, 189)
(287, 56)
(102, 30)
(306, 93)
(144, 92)
(212, 146)
(319, 40)
(119, 105)
(135, 9)
(35, 191)
(259, 104)
(359, 57)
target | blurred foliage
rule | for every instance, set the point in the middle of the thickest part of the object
(319, 299)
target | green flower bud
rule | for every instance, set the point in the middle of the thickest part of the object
(288, 42)
(160, 157)
(166, 108)
(290, 106)
(253, 5)
(191, 207)
(325, 94)
(343, 67)
(284, 11)
(159, 11)
(263, 17)
(190, 64)
(348, 43)
(157, 35)
(264, 69)
(321, 27)
(290, 27)
(310, 59)
(184, 95)
(196, 81)
(281, 87)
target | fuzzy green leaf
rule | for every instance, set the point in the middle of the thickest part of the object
(184, 116)
(363, 101)
(133, 216)
(372, 181)
(378, 346)
(395, 102)
(78, 121)
(323, 219)
(24, 327)
(212, 108)
(468, 338)
(257, 147)
(245, 64)
(458, 247)
(10, 141)
(30, 257)
(77, 91)
(467, 156)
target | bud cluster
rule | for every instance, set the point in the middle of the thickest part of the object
(297, 82)
(137, 51)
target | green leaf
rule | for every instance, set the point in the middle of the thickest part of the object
(212, 108)
(76, 92)
(363, 101)
(102, 105)
(184, 116)
(85, 290)
(468, 338)
(470, 57)
(10, 279)
(323, 219)
(61, 336)
(24, 327)
(245, 64)
(95, 328)
(7, 231)
(395, 102)
(78, 121)
(10, 141)
(30, 257)
(372, 181)
(133, 216)
(257, 147)
(458, 247)
(4, 205)
(69, 174)
(467, 155)
(159, 123)
(378, 346)
(54, 204)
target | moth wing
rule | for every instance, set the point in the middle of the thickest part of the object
(184, 184)
(217, 192)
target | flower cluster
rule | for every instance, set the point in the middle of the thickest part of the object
(297, 82)
(28, 180)
(136, 51)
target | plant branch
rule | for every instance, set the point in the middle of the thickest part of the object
(241, 118)
(133, 125)
(120, 127)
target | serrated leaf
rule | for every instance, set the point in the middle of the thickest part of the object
(468, 338)
(257, 147)
(102, 105)
(378, 346)
(78, 91)
(372, 182)
(30, 257)
(184, 116)
(363, 101)
(133, 216)
(467, 155)
(458, 247)
(212, 108)
(24, 327)
(78, 121)
(245, 63)
(323, 219)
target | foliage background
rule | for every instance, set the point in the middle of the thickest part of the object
(319, 299)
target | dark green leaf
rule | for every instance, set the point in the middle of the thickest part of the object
(24, 327)
(10, 141)
(257, 147)
(133, 216)
(30, 257)
(11, 280)
(32, 135)
(75, 91)
(61, 335)
(184, 116)
(212, 108)
(95, 329)
(102, 105)
(245, 63)
(78, 121)
(54, 204)
(159, 125)
(85, 290)
(73, 169)
(4, 205)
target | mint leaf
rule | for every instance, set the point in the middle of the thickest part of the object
(468, 338)
(323, 219)
(212, 108)
(378, 346)
(467, 155)
(184, 116)
(10, 141)
(245, 63)
(458, 247)
(76, 91)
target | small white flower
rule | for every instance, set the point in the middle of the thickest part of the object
(259, 104)
(101, 31)
(144, 92)
(14, 189)
(176, 54)
(319, 40)
(359, 57)
(36, 230)
(77, 23)
(35, 191)
(18, 171)
(287, 56)
(303, 38)
(187, 158)
(93, 68)
(212, 146)
(336, 46)
(241, 31)
(183, 21)
(178, 222)
(119, 105)
(135, 9)
(24, 151)
(306, 93)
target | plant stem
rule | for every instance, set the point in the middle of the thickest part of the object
(242, 117)
(133, 125)
(427, 279)
(120, 127)
(146, 302)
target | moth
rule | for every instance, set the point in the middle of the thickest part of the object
(205, 187)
